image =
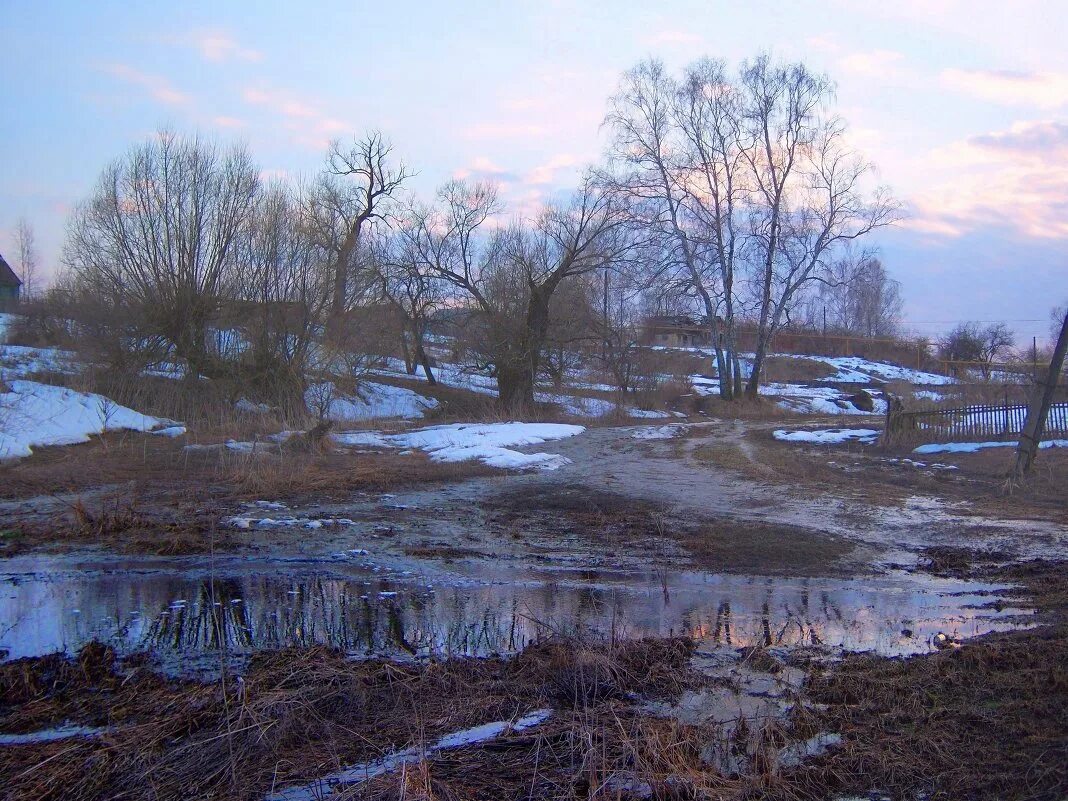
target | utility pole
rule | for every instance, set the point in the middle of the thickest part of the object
(1038, 408)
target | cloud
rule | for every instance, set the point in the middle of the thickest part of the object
(310, 126)
(482, 168)
(504, 130)
(1015, 179)
(228, 122)
(1042, 89)
(1040, 139)
(882, 64)
(219, 47)
(158, 87)
(546, 173)
(673, 37)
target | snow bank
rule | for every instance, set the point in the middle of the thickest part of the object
(818, 400)
(576, 405)
(34, 414)
(451, 375)
(854, 370)
(490, 443)
(19, 361)
(973, 447)
(830, 436)
(6, 321)
(373, 401)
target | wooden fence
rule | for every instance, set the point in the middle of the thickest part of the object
(969, 423)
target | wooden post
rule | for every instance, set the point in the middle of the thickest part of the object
(1038, 408)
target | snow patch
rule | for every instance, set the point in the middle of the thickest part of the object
(373, 401)
(34, 414)
(830, 436)
(490, 443)
(360, 773)
(660, 432)
(19, 361)
(973, 447)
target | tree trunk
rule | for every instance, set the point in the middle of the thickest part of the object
(409, 366)
(515, 386)
(752, 388)
(1038, 409)
(424, 361)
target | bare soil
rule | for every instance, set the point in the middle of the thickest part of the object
(611, 520)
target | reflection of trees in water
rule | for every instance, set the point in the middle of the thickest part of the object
(270, 611)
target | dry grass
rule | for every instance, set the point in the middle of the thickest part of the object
(781, 369)
(145, 494)
(988, 720)
(295, 715)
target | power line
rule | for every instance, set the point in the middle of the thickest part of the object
(948, 322)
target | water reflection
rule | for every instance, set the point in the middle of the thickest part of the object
(366, 611)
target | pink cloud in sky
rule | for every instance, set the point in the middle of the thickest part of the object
(309, 126)
(503, 130)
(219, 47)
(881, 64)
(546, 173)
(480, 168)
(1013, 179)
(158, 87)
(1046, 90)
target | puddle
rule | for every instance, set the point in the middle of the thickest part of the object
(189, 609)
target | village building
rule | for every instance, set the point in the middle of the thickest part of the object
(10, 284)
(675, 331)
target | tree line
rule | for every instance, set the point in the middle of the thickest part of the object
(732, 194)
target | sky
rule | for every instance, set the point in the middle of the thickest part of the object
(962, 107)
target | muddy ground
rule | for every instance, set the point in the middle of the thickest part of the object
(763, 712)
(721, 495)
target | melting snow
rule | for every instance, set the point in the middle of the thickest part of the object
(660, 432)
(372, 401)
(490, 443)
(19, 361)
(830, 435)
(973, 447)
(34, 414)
(359, 773)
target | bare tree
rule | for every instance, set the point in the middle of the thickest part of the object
(980, 345)
(355, 190)
(750, 180)
(807, 189)
(644, 118)
(286, 282)
(409, 284)
(26, 253)
(856, 295)
(512, 276)
(156, 240)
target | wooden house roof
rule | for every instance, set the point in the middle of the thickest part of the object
(7, 275)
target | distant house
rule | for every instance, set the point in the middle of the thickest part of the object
(10, 284)
(675, 331)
